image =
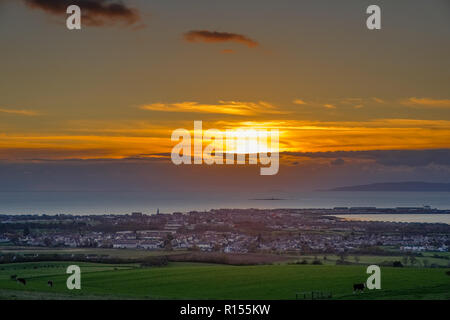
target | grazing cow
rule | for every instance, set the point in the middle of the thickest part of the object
(50, 283)
(358, 287)
(14, 277)
(22, 281)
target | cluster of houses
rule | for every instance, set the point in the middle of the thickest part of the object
(238, 230)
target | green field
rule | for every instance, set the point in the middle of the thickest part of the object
(289, 258)
(205, 281)
(378, 260)
(112, 253)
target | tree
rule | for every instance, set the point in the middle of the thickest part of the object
(405, 260)
(252, 247)
(47, 242)
(26, 231)
(412, 260)
(342, 256)
(259, 239)
(426, 263)
(168, 242)
(397, 264)
(317, 261)
(14, 238)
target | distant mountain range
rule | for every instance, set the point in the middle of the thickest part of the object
(398, 186)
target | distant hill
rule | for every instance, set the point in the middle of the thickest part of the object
(398, 186)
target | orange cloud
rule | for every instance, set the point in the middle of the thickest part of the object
(378, 100)
(119, 139)
(223, 107)
(427, 102)
(299, 101)
(19, 112)
(215, 36)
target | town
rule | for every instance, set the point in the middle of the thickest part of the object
(274, 231)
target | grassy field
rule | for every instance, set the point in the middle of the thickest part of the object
(113, 253)
(205, 281)
(140, 254)
(379, 260)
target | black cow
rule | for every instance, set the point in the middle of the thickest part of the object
(14, 277)
(358, 287)
(22, 281)
(50, 283)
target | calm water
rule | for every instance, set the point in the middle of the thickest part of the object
(427, 218)
(147, 202)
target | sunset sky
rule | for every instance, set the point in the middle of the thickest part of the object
(134, 73)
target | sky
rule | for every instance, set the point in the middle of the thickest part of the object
(344, 98)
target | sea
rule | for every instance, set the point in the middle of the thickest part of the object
(125, 202)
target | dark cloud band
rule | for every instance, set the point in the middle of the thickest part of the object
(94, 12)
(411, 158)
(215, 36)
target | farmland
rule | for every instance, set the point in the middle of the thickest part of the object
(206, 281)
